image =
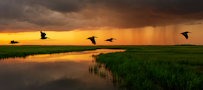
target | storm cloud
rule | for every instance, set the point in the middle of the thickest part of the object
(29, 15)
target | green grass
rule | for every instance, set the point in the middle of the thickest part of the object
(157, 67)
(140, 67)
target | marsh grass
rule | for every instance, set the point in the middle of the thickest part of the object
(90, 69)
(103, 74)
(97, 70)
(151, 68)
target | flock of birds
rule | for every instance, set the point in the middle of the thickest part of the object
(94, 42)
(92, 38)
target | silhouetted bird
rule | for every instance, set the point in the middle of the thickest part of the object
(92, 39)
(13, 42)
(110, 39)
(185, 34)
(43, 35)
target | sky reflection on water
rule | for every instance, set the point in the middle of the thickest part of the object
(64, 71)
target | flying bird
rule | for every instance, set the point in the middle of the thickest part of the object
(13, 42)
(185, 34)
(110, 39)
(43, 35)
(92, 39)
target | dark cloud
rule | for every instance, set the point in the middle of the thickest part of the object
(73, 14)
(138, 13)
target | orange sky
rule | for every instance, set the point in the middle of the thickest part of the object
(164, 35)
(71, 22)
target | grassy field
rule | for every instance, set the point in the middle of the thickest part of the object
(140, 67)
(157, 67)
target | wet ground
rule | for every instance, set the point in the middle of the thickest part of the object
(63, 71)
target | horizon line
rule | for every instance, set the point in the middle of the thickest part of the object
(107, 45)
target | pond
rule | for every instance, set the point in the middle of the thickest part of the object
(62, 71)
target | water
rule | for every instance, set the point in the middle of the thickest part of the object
(63, 71)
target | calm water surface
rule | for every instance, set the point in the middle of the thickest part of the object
(63, 71)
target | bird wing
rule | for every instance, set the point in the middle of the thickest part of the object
(186, 36)
(14, 42)
(107, 40)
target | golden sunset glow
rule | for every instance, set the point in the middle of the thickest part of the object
(163, 35)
